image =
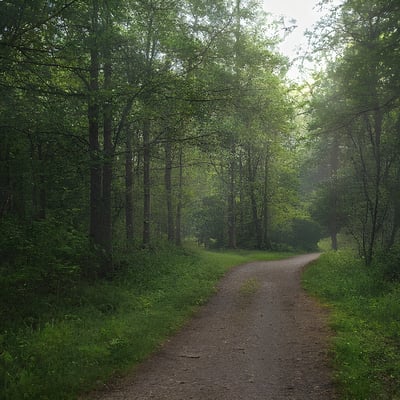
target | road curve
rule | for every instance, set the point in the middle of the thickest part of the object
(259, 337)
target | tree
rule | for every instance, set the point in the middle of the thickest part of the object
(110, 109)
(362, 76)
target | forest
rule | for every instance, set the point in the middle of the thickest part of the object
(127, 124)
(136, 130)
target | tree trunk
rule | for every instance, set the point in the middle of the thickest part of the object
(376, 224)
(6, 194)
(374, 205)
(146, 183)
(178, 233)
(333, 223)
(94, 146)
(42, 184)
(395, 198)
(232, 199)
(168, 188)
(129, 187)
(107, 162)
(252, 171)
(265, 226)
(240, 222)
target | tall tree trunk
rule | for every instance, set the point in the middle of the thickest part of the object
(168, 187)
(129, 187)
(6, 193)
(232, 198)
(149, 56)
(241, 188)
(232, 228)
(265, 226)
(333, 218)
(252, 171)
(376, 223)
(146, 183)
(34, 184)
(395, 196)
(39, 197)
(42, 184)
(375, 133)
(93, 121)
(107, 162)
(178, 224)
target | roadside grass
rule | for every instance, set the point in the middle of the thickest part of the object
(104, 330)
(345, 242)
(366, 321)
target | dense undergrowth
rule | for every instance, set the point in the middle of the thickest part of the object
(366, 320)
(82, 336)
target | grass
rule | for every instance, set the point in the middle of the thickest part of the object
(345, 242)
(366, 322)
(106, 329)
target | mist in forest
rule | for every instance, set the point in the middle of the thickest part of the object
(131, 127)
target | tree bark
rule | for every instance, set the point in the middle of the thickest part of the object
(395, 198)
(376, 225)
(242, 177)
(265, 227)
(129, 187)
(146, 183)
(42, 184)
(168, 188)
(93, 121)
(333, 222)
(232, 198)
(107, 162)
(252, 171)
(178, 224)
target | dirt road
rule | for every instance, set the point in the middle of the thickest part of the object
(259, 337)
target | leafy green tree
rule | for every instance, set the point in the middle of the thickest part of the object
(366, 102)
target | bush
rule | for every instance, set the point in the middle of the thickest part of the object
(387, 263)
(301, 234)
(40, 262)
(209, 222)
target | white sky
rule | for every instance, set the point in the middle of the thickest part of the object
(306, 13)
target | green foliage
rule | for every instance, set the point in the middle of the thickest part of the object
(305, 234)
(325, 206)
(355, 116)
(41, 263)
(345, 242)
(209, 222)
(299, 234)
(387, 261)
(109, 327)
(365, 310)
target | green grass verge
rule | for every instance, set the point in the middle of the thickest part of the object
(106, 329)
(366, 322)
(345, 242)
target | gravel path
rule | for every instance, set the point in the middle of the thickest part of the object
(259, 337)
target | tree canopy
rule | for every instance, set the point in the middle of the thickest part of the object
(125, 124)
(355, 115)
(129, 123)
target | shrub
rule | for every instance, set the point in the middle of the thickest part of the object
(299, 234)
(38, 260)
(387, 263)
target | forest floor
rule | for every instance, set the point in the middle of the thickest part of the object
(259, 337)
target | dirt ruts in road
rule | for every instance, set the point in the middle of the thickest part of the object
(259, 337)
